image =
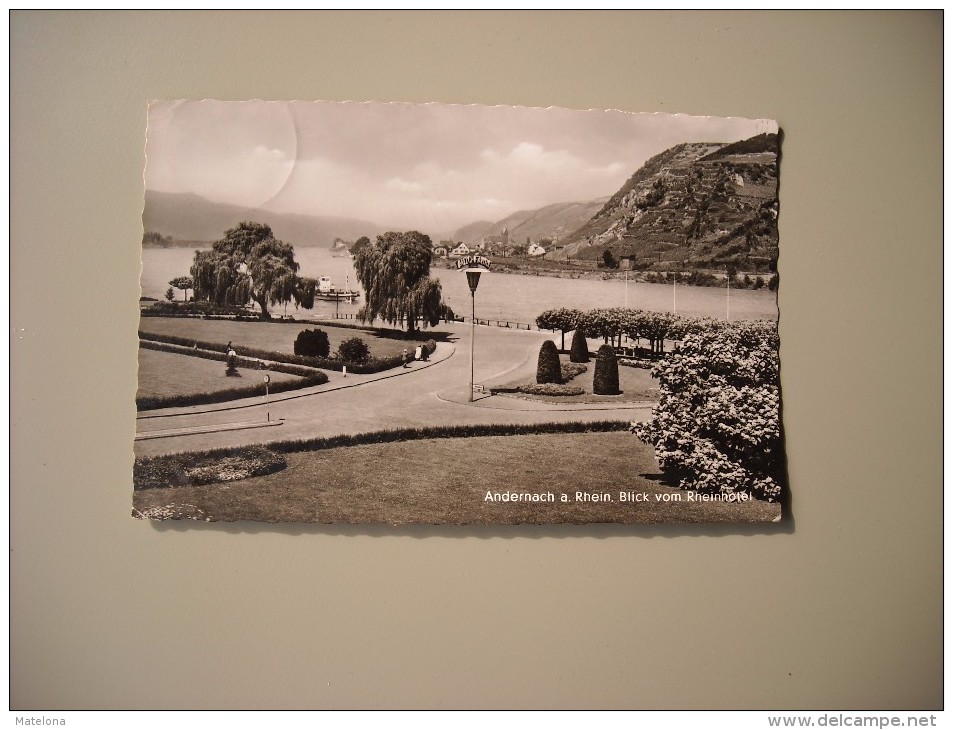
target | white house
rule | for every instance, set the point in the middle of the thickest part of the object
(461, 250)
(535, 250)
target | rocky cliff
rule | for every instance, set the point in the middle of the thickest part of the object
(697, 205)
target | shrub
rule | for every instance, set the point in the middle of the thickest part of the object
(550, 389)
(312, 343)
(717, 426)
(570, 370)
(547, 367)
(579, 350)
(430, 346)
(605, 381)
(353, 349)
(196, 469)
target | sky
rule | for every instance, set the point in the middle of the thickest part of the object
(406, 166)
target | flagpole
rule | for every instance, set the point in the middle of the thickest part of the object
(728, 298)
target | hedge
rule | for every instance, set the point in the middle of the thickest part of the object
(374, 365)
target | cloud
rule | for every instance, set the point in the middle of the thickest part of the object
(428, 166)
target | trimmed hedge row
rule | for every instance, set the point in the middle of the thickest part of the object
(277, 367)
(374, 365)
(172, 470)
(383, 332)
(550, 389)
(392, 435)
(152, 403)
(194, 309)
(446, 432)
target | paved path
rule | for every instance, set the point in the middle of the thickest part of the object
(426, 394)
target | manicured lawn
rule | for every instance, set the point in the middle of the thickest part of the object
(446, 481)
(165, 374)
(636, 384)
(275, 336)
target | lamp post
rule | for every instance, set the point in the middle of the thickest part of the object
(473, 266)
(473, 279)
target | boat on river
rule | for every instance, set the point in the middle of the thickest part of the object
(328, 292)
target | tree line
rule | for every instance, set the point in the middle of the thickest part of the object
(611, 323)
(249, 264)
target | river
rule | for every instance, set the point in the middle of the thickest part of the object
(512, 297)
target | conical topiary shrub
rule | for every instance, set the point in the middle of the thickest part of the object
(579, 351)
(605, 381)
(547, 368)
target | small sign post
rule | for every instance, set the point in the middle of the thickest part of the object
(267, 383)
(473, 266)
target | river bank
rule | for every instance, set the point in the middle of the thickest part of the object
(566, 270)
(503, 294)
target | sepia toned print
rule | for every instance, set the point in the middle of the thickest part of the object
(445, 314)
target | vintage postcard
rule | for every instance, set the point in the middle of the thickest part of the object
(447, 314)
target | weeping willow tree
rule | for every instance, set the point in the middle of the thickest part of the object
(250, 264)
(395, 274)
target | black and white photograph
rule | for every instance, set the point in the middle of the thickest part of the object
(430, 361)
(452, 314)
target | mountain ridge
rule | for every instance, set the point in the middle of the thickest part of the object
(697, 204)
(190, 217)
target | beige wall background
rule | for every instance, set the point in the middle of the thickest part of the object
(840, 608)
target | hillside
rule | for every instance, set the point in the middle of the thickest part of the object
(555, 220)
(188, 217)
(701, 205)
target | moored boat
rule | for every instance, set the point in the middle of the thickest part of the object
(327, 291)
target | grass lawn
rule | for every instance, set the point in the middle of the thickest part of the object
(636, 384)
(274, 336)
(445, 481)
(165, 374)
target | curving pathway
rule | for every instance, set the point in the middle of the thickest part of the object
(425, 394)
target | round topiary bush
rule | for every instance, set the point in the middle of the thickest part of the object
(547, 367)
(579, 351)
(354, 349)
(605, 380)
(312, 343)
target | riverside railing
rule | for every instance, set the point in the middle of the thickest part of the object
(504, 323)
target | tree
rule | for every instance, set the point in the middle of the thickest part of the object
(395, 274)
(607, 323)
(564, 320)
(608, 260)
(152, 239)
(184, 283)
(169, 294)
(547, 366)
(249, 263)
(359, 244)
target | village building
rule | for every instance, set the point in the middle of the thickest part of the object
(496, 243)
